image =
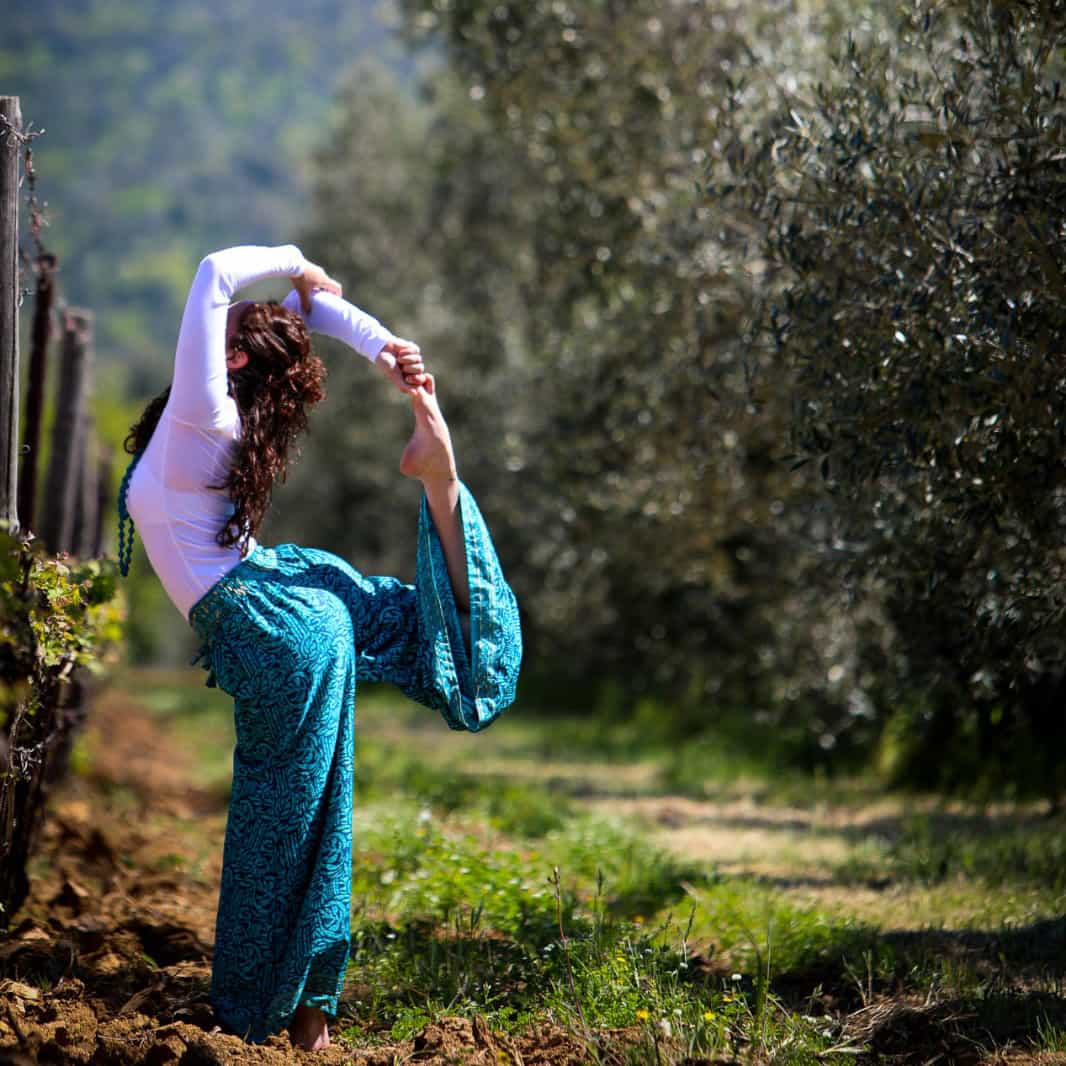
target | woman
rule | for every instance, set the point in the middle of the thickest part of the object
(288, 630)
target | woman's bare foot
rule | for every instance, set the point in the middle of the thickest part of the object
(428, 455)
(308, 1029)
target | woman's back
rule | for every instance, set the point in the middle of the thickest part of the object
(177, 514)
(195, 442)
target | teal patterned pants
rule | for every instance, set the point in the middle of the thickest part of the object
(288, 633)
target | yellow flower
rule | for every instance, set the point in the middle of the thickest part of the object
(642, 1015)
(708, 1015)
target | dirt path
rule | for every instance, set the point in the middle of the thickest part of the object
(810, 852)
(109, 960)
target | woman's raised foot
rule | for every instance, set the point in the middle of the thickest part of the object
(428, 455)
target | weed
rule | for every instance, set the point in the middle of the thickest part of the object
(1049, 1037)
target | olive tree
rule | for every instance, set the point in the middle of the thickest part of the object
(533, 218)
(906, 220)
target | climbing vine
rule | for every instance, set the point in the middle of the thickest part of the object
(56, 615)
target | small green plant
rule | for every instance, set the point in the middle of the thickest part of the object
(55, 615)
(1049, 1037)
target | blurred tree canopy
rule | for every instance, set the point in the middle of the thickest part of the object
(171, 130)
(534, 220)
(664, 255)
(909, 225)
(748, 319)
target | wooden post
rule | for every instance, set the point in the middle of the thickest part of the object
(10, 127)
(85, 493)
(40, 336)
(57, 519)
(104, 499)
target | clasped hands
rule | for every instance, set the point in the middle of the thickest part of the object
(399, 360)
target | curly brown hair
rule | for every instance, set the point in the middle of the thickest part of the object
(274, 391)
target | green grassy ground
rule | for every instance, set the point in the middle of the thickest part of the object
(550, 870)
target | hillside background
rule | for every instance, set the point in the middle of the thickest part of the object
(171, 130)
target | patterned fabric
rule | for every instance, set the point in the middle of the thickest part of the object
(287, 633)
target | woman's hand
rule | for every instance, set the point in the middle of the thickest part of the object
(401, 362)
(313, 277)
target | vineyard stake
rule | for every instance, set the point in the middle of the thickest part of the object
(10, 128)
(68, 433)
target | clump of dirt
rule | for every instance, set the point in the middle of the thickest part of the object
(109, 962)
(470, 1041)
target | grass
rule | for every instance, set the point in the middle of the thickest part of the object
(1049, 1037)
(551, 873)
(930, 850)
(452, 921)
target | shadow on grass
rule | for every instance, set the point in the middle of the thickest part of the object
(419, 961)
(959, 994)
(404, 974)
(996, 849)
(960, 1031)
(937, 825)
(1036, 951)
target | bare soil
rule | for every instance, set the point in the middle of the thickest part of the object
(109, 961)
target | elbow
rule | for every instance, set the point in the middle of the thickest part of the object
(212, 277)
(211, 265)
(210, 269)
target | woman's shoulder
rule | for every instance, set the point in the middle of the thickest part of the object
(224, 423)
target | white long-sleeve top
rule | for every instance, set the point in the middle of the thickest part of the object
(176, 515)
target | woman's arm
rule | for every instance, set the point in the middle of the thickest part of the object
(199, 389)
(399, 360)
(335, 317)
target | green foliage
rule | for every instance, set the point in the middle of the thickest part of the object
(448, 921)
(532, 221)
(1050, 1037)
(755, 925)
(906, 217)
(834, 899)
(508, 807)
(54, 614)
(444, 891)
(719, 316)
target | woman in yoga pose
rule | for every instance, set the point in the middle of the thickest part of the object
(287, 631)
